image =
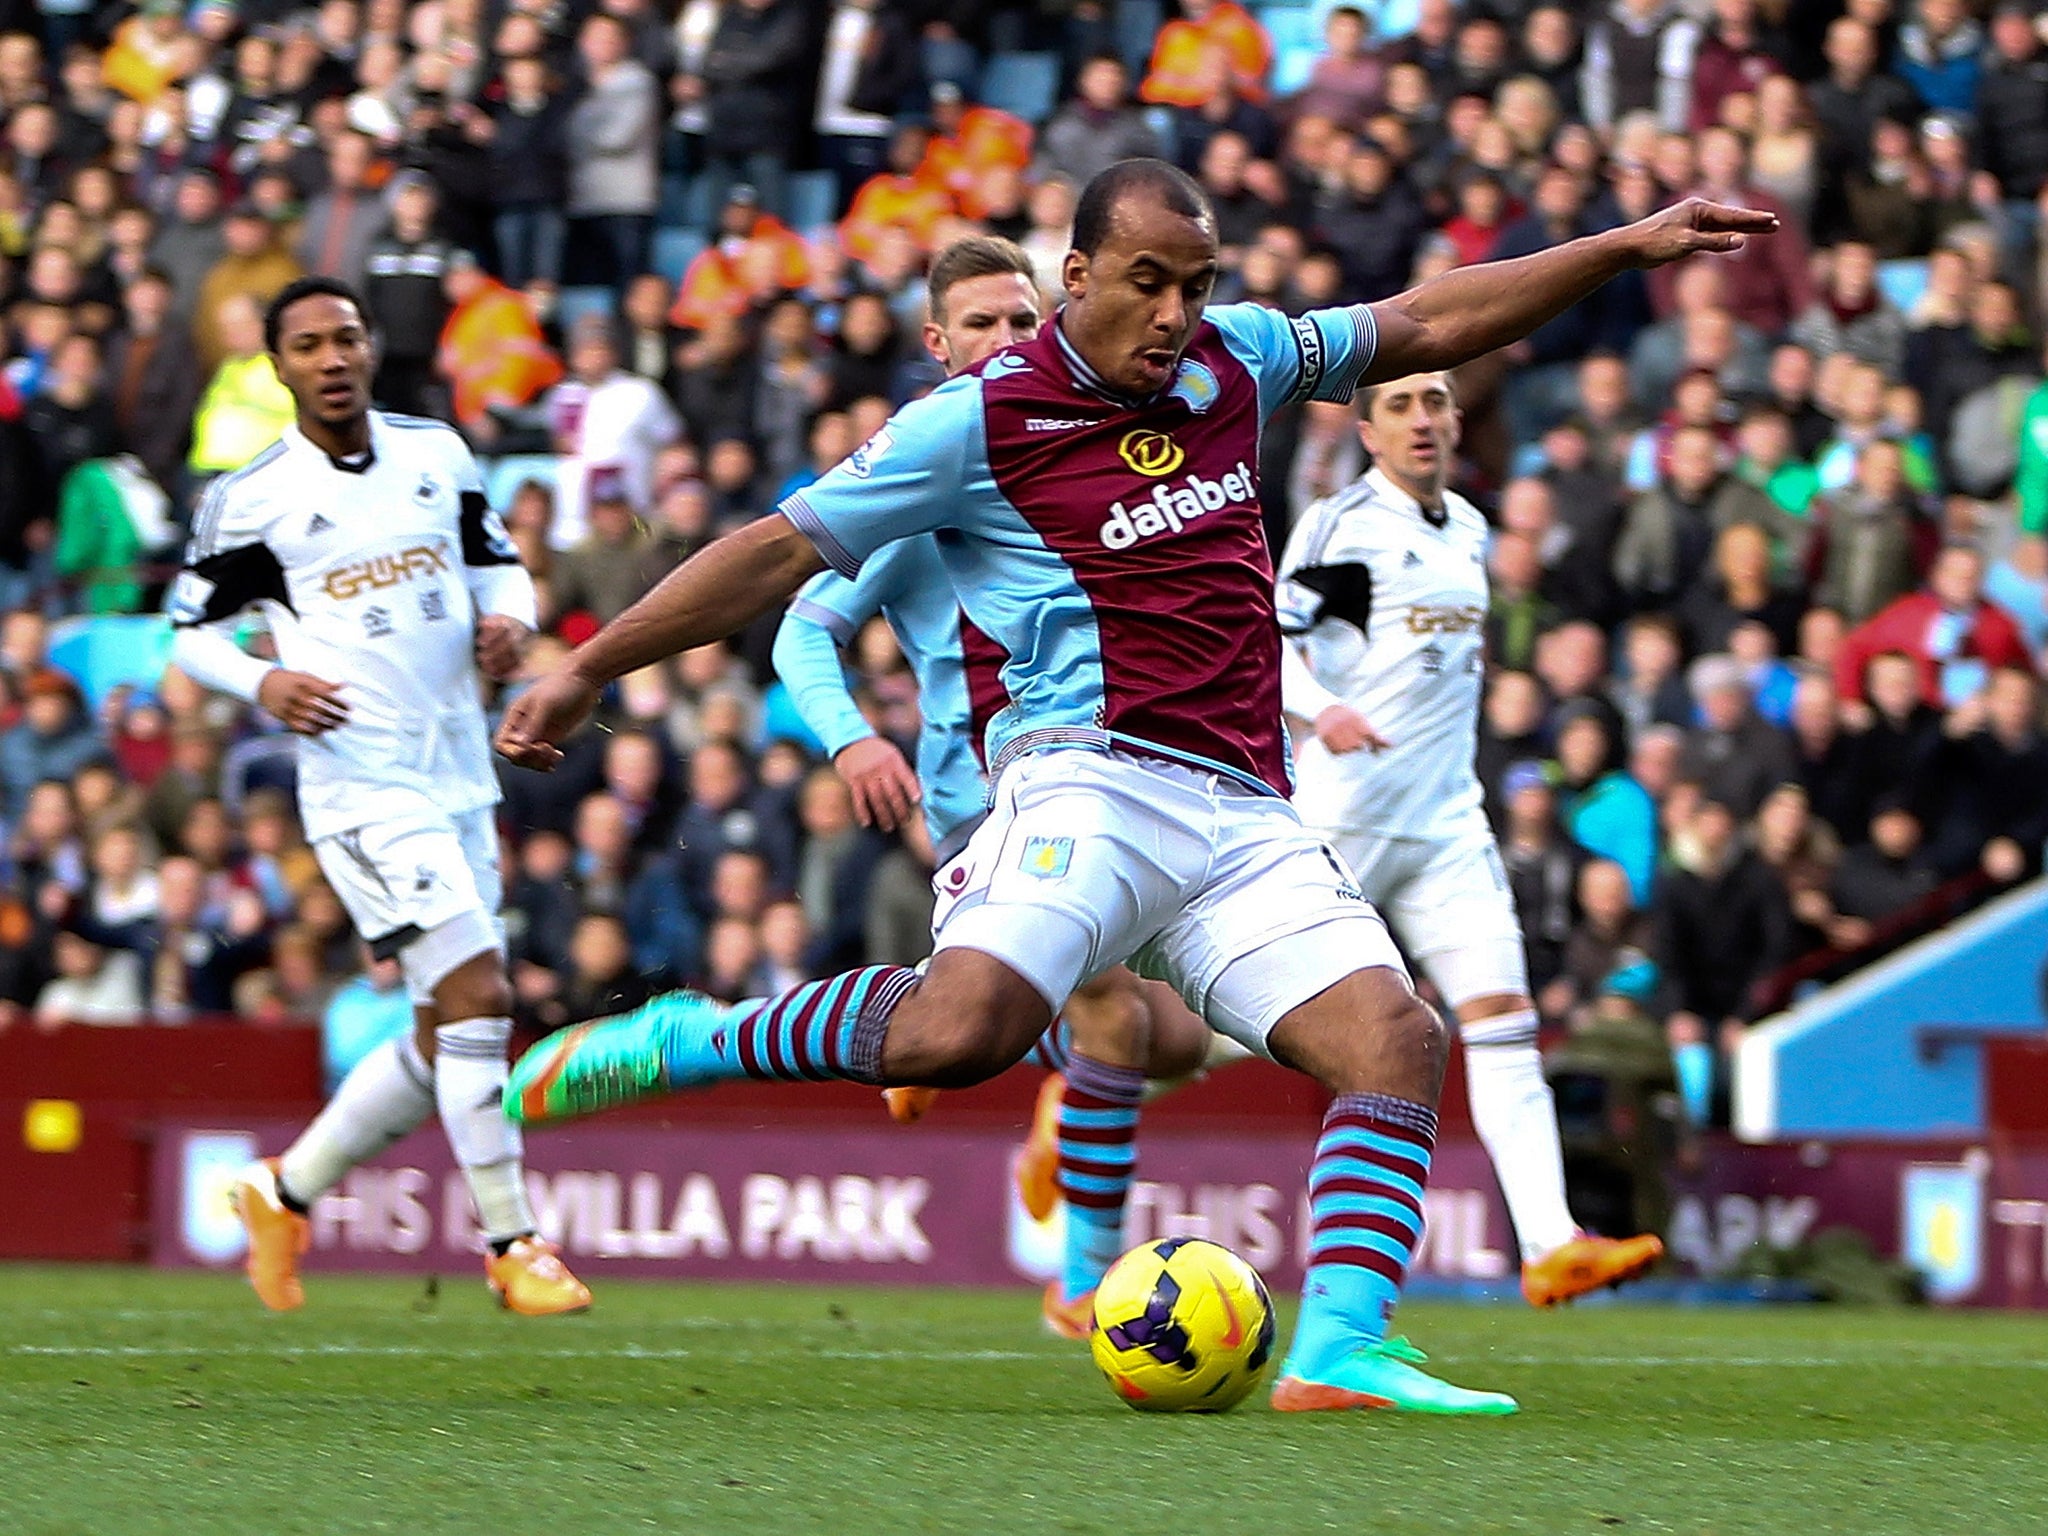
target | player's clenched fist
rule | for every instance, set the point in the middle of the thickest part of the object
(307, 705)
(501, 644)
(542, 716)
(1343, 729)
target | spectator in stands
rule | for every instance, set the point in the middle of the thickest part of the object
(345, 215)
(605, 574)
(903, 196)
(254, 267)
(1542, 865)
(155, 379)
(1639, 58)
(1951, 632)
(1765, 289)
(1651, 688)
(244, 406)
(54, 738)
(1803, 851)
(93, 985)
(1868, 536)
(1851, 314)
(1881, 878)
(1096, 129)
(1374, 220)
(1733, 755)
(1612, 935)
(757, 75)
(1739, 590)
(1991, 770)
(1606, 812)
(404, 270)
(1941, 54)
(1723, 924)
(491, 351)
(2012, 93)
(1846, 103)
(1213, 43)
(1347, 80)
(1669, 531)
(529, 145)
(112, 520)
(602, 416)
(1894, 735)
(190, 958)
(613, 143)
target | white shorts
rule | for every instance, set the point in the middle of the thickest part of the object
(1092, 859)
(1448, 901)
(403, 879)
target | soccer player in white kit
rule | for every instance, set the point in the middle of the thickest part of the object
(365, 542)
(1382, 596)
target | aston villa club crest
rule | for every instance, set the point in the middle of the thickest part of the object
(1196, 385)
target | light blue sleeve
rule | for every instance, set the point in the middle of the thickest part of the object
(919, 473)
(1316, 356)
(827, 613)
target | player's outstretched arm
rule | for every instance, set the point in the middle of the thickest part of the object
(884, 787)
(1474, 310)
(714, 593)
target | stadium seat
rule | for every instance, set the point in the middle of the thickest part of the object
(812, 199)
(105, 651)
(1025, 85)
(575, 303)
(674, 250)
(504, 476)
(1291, 69)
(1137, 25)
(1290, 27)
(1903, 282)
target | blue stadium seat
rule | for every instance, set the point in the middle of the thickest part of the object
(674, 250)
(1291, 69)
(104, 651)
(575, 303)
(1903, 282)
(1024, 84)
(813, 200)
(1137, 25)
(1291, 26)
(505, 476)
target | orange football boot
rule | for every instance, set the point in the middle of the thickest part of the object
(1069, 1319)
(277, 1236)
(531, 1279)
(908, 1105)
(1586, 1264)
(1037, 1168)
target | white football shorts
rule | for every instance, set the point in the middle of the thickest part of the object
(1093, 859)
(419, 886)
(1449, 902)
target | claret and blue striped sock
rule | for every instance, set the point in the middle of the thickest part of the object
(1053, 1047)
(821, 1030)
(1365, 1202)
(1098, 1150)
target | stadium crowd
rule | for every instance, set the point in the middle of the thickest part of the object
(1770, 578)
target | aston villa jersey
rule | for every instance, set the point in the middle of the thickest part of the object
(1108, 555)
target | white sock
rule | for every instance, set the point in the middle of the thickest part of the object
(469, 1086)
(386, 1096)
(1517, 1120)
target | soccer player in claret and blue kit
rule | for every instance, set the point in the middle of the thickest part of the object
(1096, 495)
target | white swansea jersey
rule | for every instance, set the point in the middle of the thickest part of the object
(362, 570)
(1388, 605)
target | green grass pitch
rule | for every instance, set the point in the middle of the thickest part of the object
(141, 1402)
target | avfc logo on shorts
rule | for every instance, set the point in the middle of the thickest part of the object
(1047, 857)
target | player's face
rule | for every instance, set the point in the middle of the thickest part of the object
(1412, 432)
(323, 357)
(1135, 303)
(982, 315)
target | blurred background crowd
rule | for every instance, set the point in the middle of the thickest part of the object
(1769, 568)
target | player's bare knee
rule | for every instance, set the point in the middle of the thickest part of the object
(969, 1018)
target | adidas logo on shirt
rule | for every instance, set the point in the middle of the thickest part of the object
(1410, 558)
(319, 524)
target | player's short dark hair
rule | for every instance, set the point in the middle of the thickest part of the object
(975, 256)
(1174, 187)
(298, 288)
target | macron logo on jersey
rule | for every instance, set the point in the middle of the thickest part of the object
(1172, 507)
